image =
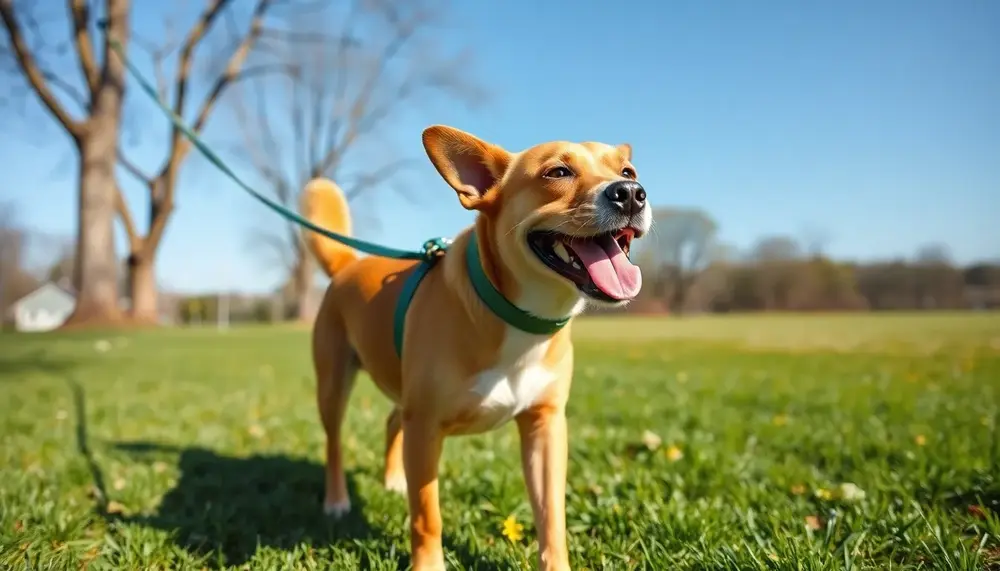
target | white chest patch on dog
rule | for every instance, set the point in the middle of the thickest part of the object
(516, 381)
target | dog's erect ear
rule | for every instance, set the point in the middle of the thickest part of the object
(471, 166)
(626, 150)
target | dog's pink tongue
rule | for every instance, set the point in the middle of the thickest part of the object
(609, 267)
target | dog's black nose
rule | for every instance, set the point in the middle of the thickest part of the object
(627, 195)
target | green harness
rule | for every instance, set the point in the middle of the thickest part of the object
(432, 251)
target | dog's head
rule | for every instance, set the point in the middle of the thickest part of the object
(563, 214)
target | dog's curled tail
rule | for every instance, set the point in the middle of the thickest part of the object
(324, 204)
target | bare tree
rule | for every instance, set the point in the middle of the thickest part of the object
(776, 249)
(337, 93)
(162, 185)
(680, 247)
(777, 263)
(815, 240)
(93, 129)
(933, 254)
(97, 133)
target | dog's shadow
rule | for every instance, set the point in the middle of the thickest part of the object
(230, 506)
(227, 507)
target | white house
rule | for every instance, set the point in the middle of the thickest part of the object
(44, 309)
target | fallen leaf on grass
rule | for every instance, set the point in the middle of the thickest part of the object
(814, 522)
(115, 507)
(651, 440)
(256, 430)
(850, 492)
(977, 511)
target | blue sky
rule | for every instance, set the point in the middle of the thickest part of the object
(874, 122)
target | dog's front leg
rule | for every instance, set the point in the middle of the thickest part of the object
(543, 456)
(421, 454)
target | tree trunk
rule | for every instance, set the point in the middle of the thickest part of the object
(142, 289)
(303, 284)
(96, 272)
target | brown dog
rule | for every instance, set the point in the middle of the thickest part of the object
(486, 336)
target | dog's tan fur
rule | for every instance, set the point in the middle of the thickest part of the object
(463, 370)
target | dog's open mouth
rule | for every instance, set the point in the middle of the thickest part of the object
(598, 265)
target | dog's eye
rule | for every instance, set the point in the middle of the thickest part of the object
(628, 173)
(557, 172)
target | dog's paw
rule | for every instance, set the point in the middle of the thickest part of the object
(337, 509)
(396, 483)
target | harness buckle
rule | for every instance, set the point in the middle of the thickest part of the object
(435, 248)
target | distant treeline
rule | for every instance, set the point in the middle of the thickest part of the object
(818, 283)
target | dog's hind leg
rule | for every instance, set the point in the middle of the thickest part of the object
(395, 475)
(336, 368)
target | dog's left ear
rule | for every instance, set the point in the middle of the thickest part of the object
(471, 166)
(626, 150)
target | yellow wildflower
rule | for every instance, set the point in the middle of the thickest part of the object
(513, 530)
(780, 420)
(920, 439)
(824, 494)
(798, 489)
(674, 453)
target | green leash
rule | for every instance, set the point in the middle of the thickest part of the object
(432, 251)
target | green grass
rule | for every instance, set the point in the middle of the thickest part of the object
(190, 448)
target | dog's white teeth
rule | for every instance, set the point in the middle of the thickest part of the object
(560, 250)
(577, 265)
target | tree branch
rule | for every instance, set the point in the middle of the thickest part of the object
(165, 183)
(36, 78)
(369, 180)
(133, 169)
(71, 91)
(80, 11)
(134, 239)
(179, 145)
(184, 62)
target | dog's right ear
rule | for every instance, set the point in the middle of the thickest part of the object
(471, 166)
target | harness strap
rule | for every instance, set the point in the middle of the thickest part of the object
(435, 249)
(487, 292)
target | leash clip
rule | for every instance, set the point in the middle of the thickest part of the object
(435, 248)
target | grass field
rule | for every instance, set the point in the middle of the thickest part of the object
(794, 442)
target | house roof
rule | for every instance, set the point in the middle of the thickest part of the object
(45, 294)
